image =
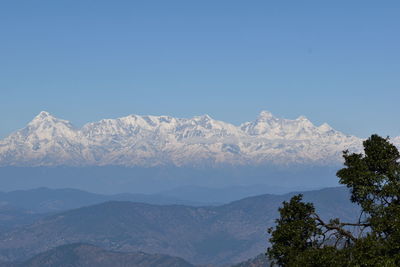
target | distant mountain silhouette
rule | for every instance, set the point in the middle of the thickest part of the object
(41, 200)
(225, 234)
(221, 195)
(175, 182)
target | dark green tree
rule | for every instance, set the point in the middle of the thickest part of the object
(302, 238)
(295, 231)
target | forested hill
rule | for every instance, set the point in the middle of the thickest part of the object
(225, 234)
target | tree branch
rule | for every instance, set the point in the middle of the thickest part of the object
(338, 227)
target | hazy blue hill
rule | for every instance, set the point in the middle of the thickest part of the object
(332, 202)
(223, 194)
(115, 179)
(45, 199)
(220, 235)
(41, 200)
(11, 216)
(84, 255)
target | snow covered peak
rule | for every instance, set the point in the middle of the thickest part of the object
(325, 127)
(137, 140)
(204, 117)
(265, 115)
(46, 126)
(45, 118)
(203, 120)
(302, 118)
(271, 127)
(303, 122)
(42, 116)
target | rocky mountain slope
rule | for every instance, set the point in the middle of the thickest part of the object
(163, 140)
(225, 234)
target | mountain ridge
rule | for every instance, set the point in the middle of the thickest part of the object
(223, 234)
(80, 254)
(45, 200)
(149, 141)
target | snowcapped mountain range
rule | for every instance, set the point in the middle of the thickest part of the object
(163, 140)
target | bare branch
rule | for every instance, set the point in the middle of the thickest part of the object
(337, 227)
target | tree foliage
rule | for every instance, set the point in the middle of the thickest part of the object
(294, 232)
(302, 238)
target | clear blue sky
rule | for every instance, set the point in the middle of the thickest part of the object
(332, 61)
